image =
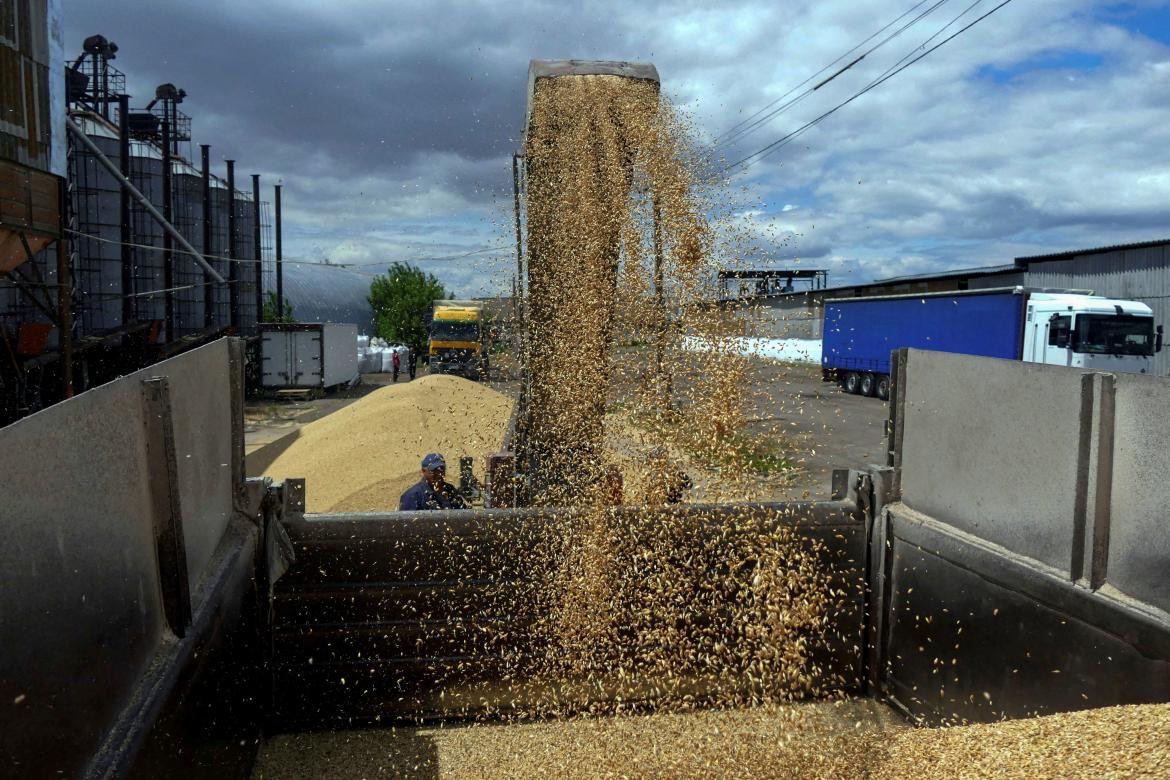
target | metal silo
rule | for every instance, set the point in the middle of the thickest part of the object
(187, 276)
(147, 271)
(96, 204)
(217, 251)
(245, 253)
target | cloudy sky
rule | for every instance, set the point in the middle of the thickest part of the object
(391, 124)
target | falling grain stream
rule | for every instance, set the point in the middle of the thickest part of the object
(662, 642)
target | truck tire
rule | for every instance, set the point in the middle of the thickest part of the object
(883, 387)
(868, 385)
(851, 383)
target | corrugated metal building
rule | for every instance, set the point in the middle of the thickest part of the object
(1139, 271)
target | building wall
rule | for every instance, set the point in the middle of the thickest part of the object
(1135, 274)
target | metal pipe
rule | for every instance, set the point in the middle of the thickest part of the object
(168, 255)
(279, 259)
(143, 201)
(124, 210)
(257, 249)
(105, 88)
(233, 266)
(208, 293)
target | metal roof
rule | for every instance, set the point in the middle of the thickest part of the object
(325, 293)
(1094, 251)
(987, 270)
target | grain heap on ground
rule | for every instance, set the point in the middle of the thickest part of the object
(362, 457)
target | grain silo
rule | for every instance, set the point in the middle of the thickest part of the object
(217, 251)
(147, 264)
(245, 255)
(97, 209)
(187, 275)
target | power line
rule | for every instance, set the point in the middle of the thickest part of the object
(284, 261)
(428, 259)
(784, 140)
(735, 133)
(937, 33)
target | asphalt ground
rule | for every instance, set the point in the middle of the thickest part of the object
(821, 427)
(824, 427)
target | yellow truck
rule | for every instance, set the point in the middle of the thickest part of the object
(456, 339)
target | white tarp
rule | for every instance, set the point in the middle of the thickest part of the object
(375, 356)
(787, 350)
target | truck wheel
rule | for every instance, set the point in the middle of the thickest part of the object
(852, 382)
(883, 387)
(868, 385)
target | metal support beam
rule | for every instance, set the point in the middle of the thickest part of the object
(257, 249)
(28, 288)
(168, 512)
(168, 254)
(233, 266)
(65, 306)
(279, 257)
(143, 201)
(126, 236)
(205, 175)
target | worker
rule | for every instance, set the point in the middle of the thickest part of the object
(411, 361)
(432, 491)
(394, 363)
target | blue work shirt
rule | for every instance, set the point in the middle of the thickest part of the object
(423, 496)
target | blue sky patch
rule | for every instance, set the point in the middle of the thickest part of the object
(1152, 22)
(1057, 60)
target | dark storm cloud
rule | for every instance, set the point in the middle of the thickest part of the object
(392, 123)
(369, 87)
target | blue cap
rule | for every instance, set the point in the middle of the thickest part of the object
(434, 461)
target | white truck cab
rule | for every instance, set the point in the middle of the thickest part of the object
(1087, 331)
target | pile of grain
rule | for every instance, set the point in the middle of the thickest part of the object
(362, 457)
(822, 741)
(1112, 742)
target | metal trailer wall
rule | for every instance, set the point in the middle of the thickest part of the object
(148, 274)
(187, 217)
(129, 549)
(1140, 274)
(1022, 550)
(861, 333)
(397, 615)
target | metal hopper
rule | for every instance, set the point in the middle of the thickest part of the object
(551, 69)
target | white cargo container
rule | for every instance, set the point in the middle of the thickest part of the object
(308, 355)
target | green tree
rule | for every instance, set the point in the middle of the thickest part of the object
(269, 313)
(402, 301)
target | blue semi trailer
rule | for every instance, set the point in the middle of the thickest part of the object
(1015, 323)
